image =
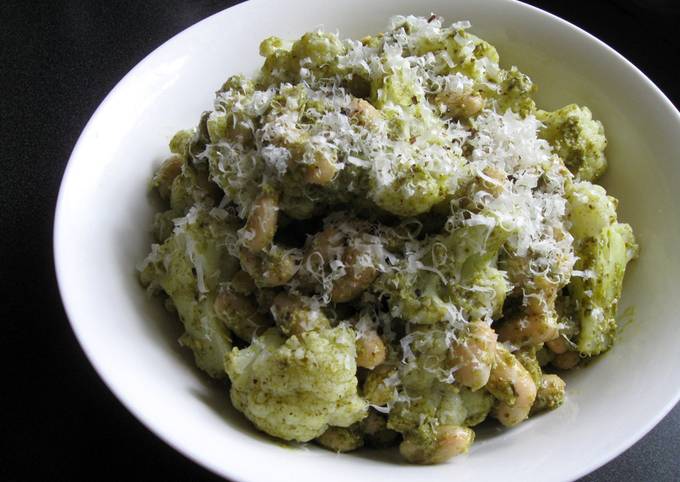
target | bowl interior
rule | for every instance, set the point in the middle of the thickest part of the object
(104, 214)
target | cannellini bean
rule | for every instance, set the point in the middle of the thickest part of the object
(371, 350)
(269, 269)
(512, 384)
(355, 281)
(450, 441)
(566, 360)
(324, 246)
(375, 390)
(373, 423)
(538, 324)
(323, 170)
(471, 105)
(265, 298)
(166, 173)
(494, 181)
(363, 111)
(544, 356)
(376, 433)
(242, 283)
(550, 394)
(329, 245)
(260, 227)
(284, 303)
(239, 314)
(365, 40)
(531, 329)
(251, 263)
(558, 345)
(294, 316)
(341, 439)
(462, 105)
(473, 355)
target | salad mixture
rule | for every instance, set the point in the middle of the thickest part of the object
(383, 242)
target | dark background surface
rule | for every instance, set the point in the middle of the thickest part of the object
(57, 62)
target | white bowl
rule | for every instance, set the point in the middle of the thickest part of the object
(103, 215)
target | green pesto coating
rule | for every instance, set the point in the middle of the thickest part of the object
(342, 439)
(604, 247)
(171, 268)
(296, 388)
(385, 195)
(578, 139)
(375, 431)
(471, 254)
(550, 394)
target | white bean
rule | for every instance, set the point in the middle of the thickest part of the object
(371, 350)
(512, 384)
(260, 227)
(473, 355)
(450, 441)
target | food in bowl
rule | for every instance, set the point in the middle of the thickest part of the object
(384, 242)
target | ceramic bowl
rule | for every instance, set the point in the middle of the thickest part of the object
(104, 213)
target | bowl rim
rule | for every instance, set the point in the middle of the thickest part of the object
(161, 430)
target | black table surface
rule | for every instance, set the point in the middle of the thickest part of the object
(58, 59)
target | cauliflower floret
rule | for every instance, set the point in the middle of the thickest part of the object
(414, 190)
(427, 392)
(477, 405)
(414, 296)
(414, 167)
(188, 266)
(590, 210)
(468, 256)
(515, 92)
(429, 405)
(474, 57)
(296, 388)
(444, 403)
(577, 138)
(604, 258)
(315, 53)
(192, 186)
(397, 87)
(604, 248)
(484, 292)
